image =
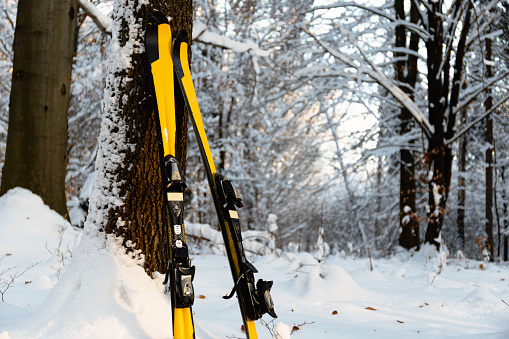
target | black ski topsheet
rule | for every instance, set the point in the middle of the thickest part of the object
(179, 273)
(253, 300)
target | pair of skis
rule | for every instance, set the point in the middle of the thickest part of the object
(168, 61)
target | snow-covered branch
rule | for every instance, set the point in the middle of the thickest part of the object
(254, 241)
(412, 27)
(202, 34)
(102, 21)
(384, 81)
(480, 118)
(476, 93)
(373, 10)
(396, 50)
(379, 12)
(483, 21)
(450, 38)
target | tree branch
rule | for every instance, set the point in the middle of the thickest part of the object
(102, 21)
(458, 70)
(472, 97)
(385, 82)
(450, 36)
(352, 4)
(202, 34)
(470, 125)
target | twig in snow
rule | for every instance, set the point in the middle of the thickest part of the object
(298, 327)
(5, 284)
(270, 326)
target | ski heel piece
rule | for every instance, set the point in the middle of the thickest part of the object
(184, 277)
(263, 298)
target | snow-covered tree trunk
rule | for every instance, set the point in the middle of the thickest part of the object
(127, 199)
(36, 152)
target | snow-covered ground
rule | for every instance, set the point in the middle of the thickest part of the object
(58, 283)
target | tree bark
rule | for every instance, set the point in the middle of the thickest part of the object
(460, 216)
(442, 101)
(406, 74)
(133, 207)
(436, 106)
(378, 202)
(488, 104)
(36, 152)
(506, 221)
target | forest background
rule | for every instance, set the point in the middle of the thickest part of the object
(374, 124)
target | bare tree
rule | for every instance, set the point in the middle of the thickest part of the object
(445, 30)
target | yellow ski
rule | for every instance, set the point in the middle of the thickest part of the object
(254, 299)
(179, 273)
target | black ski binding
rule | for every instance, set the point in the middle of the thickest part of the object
(179, 269)
(227, 192)
(173, 173)
(184, 281)
(261, 300)
(258, 298)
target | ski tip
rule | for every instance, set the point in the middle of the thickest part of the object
(152, 35)
(158, 18)
(182, 37)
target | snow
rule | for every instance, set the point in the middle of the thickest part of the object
(272, 221)
(203, 34)
(102, 20)
(89, 288)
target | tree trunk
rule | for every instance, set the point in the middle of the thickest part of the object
(436, 106)
(36, 152)
(462, 164)
(378, 202)
(488, 104)
(506, 221)
(406, 74)
(131, 203)
(443, 98)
